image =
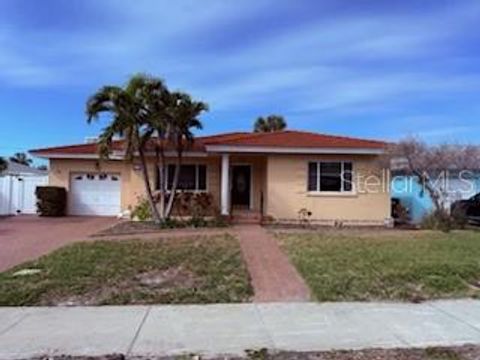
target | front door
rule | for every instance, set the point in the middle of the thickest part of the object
(241, 185)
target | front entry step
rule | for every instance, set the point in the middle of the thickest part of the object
(246, 217)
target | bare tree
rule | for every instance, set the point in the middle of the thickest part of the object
(427, 163)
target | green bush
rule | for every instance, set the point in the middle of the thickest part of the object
(459, 217)
(51, 200)
(443, 221)
(197, 205)
(194, 208)
(142, 210)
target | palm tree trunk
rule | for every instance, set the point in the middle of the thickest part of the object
(176, 177)
(160, 161)
(148, 188)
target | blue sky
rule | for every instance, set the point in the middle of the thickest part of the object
(380, 69)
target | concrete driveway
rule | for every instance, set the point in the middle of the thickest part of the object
(27, 237)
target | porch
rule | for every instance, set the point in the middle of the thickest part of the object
(243, 187)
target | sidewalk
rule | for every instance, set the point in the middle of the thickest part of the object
(230, 329)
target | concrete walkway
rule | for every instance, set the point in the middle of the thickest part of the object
(273, 277)
(231, 329)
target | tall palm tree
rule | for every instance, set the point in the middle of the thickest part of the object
(271, 123)
(3, 164)
(129, 111)
(21, 158)
(183, 116)
(173, 115)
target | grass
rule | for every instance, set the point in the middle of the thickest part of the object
(387, 265)
(194, 270)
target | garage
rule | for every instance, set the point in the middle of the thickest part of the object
(94, 194)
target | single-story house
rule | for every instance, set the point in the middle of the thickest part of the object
(336, 178)
(17, 188)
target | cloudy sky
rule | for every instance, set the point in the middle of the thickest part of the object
(379, 69)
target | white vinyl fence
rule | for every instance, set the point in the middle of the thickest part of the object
(17, 193)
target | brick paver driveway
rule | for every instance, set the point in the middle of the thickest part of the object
(26, 237)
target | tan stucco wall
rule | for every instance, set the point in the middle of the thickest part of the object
(282, 179)
(132, 187)
(287, 192)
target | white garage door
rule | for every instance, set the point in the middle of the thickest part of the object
(94, 194)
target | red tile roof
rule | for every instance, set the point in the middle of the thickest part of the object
(282, 139)
(298, 139)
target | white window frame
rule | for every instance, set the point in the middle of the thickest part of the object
(342, 191)
(197, 178)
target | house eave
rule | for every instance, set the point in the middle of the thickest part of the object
(291, 150)
(116, 155)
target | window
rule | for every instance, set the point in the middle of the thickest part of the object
(192, 177)
(331, 176)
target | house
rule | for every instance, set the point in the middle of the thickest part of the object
(17, 188)
(417, 201)
(338, 179)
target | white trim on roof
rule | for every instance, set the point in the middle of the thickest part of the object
(73, 156)
(291, 150)
(116, 155)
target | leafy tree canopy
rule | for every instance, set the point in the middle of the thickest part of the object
(21, 158)
(271, 123)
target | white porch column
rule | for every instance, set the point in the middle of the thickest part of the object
(225, 188)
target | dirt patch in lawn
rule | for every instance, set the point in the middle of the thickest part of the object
(147, 227)
(467, 352)
(197, 269)
(149, 284)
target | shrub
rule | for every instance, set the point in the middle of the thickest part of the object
(142, 210)
(442, 220)
(196, 205)
(51, 200)
(400, 213)
(459, 218)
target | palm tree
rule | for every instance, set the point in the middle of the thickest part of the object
(271, 123)
(128, 109)
(183, 116)
(21, 158)
(172, 115)
(3, 164)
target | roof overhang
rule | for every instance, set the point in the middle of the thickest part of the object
(73, 156)
(291, 150)
(116, 155)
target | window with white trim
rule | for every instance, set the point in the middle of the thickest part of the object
(192, 177)
(330, 176)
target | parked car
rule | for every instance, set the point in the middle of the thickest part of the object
(470, 208)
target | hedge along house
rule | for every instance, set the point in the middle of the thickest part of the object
(274, 175)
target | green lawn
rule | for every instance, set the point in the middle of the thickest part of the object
(387, 265)
(195, 270)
